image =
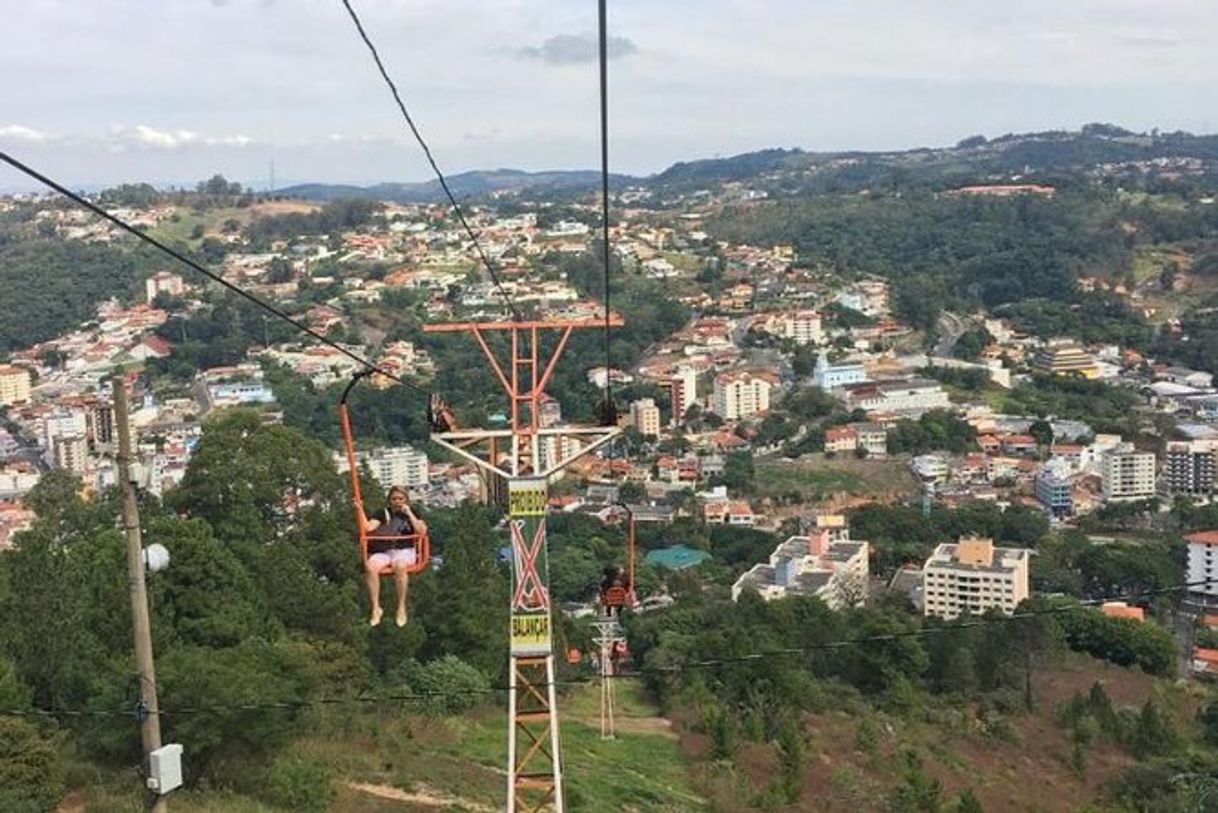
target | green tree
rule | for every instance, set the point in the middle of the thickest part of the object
(250, 481)
(918, 792)
(31, 769)
(1153, 734)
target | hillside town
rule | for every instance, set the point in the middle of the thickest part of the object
(765, 331)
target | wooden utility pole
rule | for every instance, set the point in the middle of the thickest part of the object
(150, 720)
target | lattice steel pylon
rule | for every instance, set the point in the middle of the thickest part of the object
(534, 763)
(609, 636)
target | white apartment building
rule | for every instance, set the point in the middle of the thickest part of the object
(740, 394)
(645, 416)
(1128, 475)
(63, 423)
(70, 452)
(14, 385)
(163, 282)
(974, 576)
(916, 395)
(397, 466)
(833, 570)
(1203, 567)
(803, 327)
(684, 390)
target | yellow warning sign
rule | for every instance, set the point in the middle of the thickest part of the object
(527, 502)
(531, 634)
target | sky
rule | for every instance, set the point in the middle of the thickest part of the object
(173, 91)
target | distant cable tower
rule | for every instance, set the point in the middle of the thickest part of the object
(271, 185)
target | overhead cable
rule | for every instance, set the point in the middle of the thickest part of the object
(214, 277)
(397, 97)
(654, 670)
(609, 416)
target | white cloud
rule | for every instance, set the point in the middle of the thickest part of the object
(18, 132)
(574, 49)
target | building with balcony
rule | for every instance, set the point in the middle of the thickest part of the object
(803, 327)
(1203, 569)
(14, 385)
(645, 416)
(1055, 492)
(1127, 474)
(741, 394)
(973, 576)
(1188, 468)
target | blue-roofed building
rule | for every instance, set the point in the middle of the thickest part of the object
(677, 557)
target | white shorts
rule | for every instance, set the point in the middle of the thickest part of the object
(380, 561)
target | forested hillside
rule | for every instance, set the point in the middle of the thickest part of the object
(48, 285)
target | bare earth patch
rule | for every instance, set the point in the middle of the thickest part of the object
(423, 795)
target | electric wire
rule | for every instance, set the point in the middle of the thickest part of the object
(397, 97)
(609, 407)
(214, 277)
(645, 671)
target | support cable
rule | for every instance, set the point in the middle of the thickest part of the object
(397, 97)
(213, 276)
(609, 409)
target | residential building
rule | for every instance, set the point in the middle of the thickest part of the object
(1188, 468)
(930, 468)
(741, 394)
(729, 512)
(803, 327)
(1128, 474)
(645, 416)
(835, 376)
(974, 576)
(70, 452)
(840, 439)
(835, 571)
(1203, 568)
(397, 466)
(684, 391)
(872, 437)
(14, 385)
(100, 428)
(63, 422)
(1054, 490)
(914, 396)
(163, 282)
(1065, 357)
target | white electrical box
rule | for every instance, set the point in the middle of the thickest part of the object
(165, 769)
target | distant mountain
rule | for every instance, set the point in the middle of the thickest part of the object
(796, 170)
(464, 185)
(976, 157)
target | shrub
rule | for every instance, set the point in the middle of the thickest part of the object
(31, 773)
(449, 685)
(299, 785)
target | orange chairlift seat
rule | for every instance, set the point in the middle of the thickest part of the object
(616, 597)
(418, 542)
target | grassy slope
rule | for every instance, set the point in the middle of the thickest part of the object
(1025, 768)
(815, 474)
(426, 764)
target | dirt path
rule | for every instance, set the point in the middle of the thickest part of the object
(74, 802)
(423, 795)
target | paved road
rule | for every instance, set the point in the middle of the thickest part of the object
(950, 327)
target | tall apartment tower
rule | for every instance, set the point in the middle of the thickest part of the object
(1188, 469)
